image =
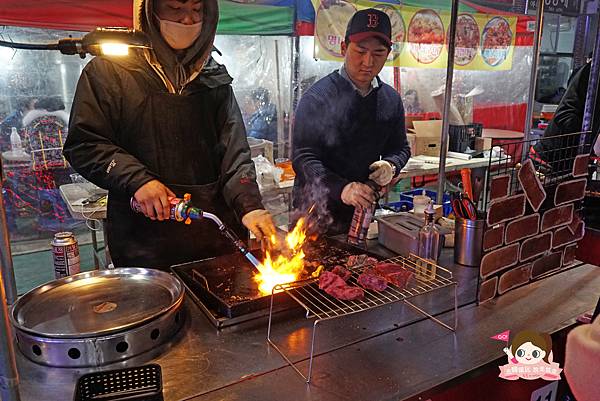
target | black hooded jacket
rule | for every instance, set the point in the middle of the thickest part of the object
(131, 122)
(556, 149)
(111, 103)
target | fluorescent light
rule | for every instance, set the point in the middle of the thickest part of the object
(114, 49)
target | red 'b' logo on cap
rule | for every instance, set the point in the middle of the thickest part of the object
(373, 20)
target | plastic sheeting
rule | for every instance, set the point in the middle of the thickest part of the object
(259, 62)
(500, 88)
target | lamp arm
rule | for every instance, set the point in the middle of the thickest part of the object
(29, 46)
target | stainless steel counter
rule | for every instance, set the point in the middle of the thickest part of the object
(372, 355)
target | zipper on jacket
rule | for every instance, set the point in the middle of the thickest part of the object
(160, 72)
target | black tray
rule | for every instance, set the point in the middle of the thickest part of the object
(143, 383)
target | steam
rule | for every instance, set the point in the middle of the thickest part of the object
(311, 203)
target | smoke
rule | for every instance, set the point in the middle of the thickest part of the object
(311, 201)
(324, 122)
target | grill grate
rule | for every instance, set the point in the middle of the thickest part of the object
(320, 305)
(323, 306)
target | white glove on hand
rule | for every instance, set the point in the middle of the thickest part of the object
(260, 223)
(358, 194)
(382, 172)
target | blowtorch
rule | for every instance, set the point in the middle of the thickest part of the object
(181, 210)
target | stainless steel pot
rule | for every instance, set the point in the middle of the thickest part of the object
(99, 317)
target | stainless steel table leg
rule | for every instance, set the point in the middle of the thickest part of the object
(95, 244)
(107, 258)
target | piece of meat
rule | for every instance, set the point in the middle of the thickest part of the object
(371, 261)
(329, 279)
(371, 280)
(399, 279)
(346, 293)
(356, 260)
(333, 285)
(360, 260)
(394, 274)
(342, 272)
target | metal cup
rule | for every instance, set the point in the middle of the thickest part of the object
(468, 241)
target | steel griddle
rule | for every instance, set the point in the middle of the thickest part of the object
(224, 287)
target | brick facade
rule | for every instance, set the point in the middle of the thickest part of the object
(514, 278)
(506, 209)
(570, 191)
(535, 246)
(536, 194)
(522, 228)
(556, 217)
(500, 259)
(493, 237)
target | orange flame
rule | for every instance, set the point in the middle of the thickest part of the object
(285, 268)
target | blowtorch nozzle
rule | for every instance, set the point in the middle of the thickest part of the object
(181, 210)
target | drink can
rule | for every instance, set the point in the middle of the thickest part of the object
(65, 253)
(135, 205)
(359, 226)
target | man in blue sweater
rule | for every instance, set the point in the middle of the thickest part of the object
(349, 128)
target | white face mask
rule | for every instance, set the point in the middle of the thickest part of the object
(179, 36)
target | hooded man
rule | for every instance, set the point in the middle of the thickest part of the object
(349, 128)
(162, 123)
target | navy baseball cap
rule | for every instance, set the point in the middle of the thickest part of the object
(369, 23)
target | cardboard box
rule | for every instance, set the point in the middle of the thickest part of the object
(426, 138)
(482, 144)
(261, 147)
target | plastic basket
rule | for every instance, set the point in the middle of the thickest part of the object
(142, 383)
(406, 200)
(463, 136)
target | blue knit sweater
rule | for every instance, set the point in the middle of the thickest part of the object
(337, 135)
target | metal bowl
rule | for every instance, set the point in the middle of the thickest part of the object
(98, 317)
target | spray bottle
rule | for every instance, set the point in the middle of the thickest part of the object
(429, 246)
(362, 218)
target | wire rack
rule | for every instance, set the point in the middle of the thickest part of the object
(552, 157)
(426, 277)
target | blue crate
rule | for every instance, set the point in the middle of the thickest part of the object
(408, 196)
(401, 206)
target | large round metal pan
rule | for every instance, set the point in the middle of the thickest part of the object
(96, 303)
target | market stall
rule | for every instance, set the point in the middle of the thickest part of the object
(395, 325)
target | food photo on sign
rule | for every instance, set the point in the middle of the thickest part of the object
(420, 35)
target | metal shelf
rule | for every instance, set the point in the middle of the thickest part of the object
(324, 307)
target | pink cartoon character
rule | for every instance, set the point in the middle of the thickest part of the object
(530, 357)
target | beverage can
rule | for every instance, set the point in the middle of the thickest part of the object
(65, 254)
(357, 234)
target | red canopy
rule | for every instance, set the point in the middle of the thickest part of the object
(66, 14)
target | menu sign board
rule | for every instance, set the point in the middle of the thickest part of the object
(420, 36)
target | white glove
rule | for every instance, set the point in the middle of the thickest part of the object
(260, 223)
(358, 194)
(382, 172)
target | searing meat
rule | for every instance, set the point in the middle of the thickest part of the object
(371, 280)
(329, 279)
(333, 285)
(360, 260)
(342, 272)
(347, 293)
(394, 274)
